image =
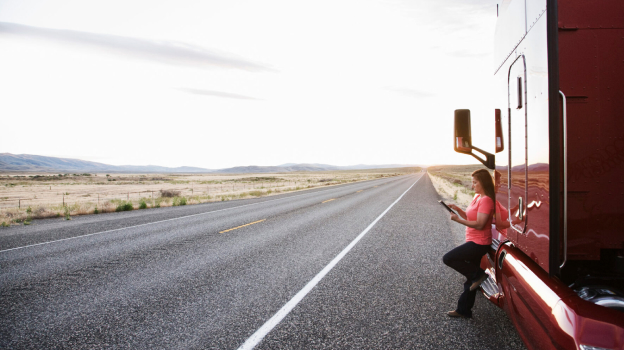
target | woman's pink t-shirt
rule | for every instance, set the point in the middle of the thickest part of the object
(485, 205)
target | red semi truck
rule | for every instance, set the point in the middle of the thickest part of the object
(557, 262)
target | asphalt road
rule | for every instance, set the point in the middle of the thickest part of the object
(213, 276)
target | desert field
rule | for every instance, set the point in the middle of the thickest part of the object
(454, 182)
(25, 197)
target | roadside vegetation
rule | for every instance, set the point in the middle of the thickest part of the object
(454, 182)
(24, 198)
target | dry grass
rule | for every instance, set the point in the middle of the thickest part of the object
(169, 193)
(453, 182)
(50, 195)
(451, 193)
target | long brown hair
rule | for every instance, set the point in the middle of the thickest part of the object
(485, 179)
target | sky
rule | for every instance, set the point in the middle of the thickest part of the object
(217, 84)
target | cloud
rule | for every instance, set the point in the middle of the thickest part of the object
(410, 92)
(215, 93)
(174, 53)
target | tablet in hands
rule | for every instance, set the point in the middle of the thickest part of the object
(446, 206)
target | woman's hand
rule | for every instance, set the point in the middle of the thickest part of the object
(459, 211)
(454, 217)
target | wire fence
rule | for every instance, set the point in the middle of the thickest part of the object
(39, 197)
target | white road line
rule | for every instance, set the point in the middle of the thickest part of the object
(257, 337)
(157, 222)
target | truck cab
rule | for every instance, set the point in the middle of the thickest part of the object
(557, 260)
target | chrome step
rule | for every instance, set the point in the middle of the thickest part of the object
(495, 244)
(489, 286)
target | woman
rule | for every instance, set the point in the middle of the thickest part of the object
(466, 258)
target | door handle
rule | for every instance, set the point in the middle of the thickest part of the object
(520, 209)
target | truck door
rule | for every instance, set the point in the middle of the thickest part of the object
(517, 171)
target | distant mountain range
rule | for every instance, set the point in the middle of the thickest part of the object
(33, 163)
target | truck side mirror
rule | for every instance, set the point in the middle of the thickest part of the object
(500, 144)
(463, 138)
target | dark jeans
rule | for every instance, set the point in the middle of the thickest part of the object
(466, 259)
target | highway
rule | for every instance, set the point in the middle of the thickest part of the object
(355, 266)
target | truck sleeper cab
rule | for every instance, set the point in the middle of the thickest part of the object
(557, 263)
